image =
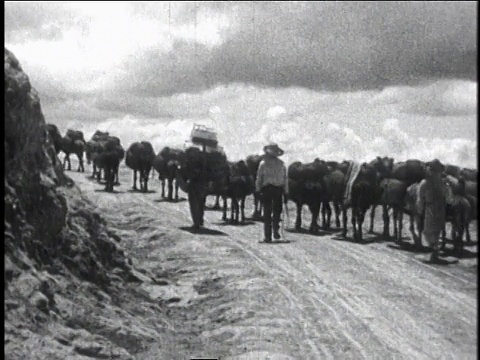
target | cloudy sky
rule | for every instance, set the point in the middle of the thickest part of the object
(334, 80)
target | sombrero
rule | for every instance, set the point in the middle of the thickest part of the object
(273, 149)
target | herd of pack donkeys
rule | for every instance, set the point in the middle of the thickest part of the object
(318, 184)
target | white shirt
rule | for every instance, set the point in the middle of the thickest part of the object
(271, 171)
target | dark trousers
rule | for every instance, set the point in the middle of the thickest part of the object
(197, 194)
(272, 207)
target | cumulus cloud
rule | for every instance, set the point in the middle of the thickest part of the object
(129, 129)
(456, 151)
(276, 111)
(333, 126)
(342, 143)
(395, 140)
(339, 143)
(40, 21)
(439, 98)
(156, 49)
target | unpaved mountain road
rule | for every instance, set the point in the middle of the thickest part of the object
(313, 297)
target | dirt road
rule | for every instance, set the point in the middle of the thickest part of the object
(313, 297)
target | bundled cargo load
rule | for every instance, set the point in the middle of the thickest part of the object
(167, 157)
(105, 152)
(170, 153)
(203, 160)
(203, 169)
(198, 165)
(100, 136)
(312, 172)
(203, 136)
(75, 135)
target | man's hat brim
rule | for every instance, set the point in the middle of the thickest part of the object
(273, 150)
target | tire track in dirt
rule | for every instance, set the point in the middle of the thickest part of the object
(309, 325)
(397, 253)
(312, 301)
(337, 309)
(435, 269)
(304, 305)
(382, 323)
(409, 323)
(369, 258)
(443, 297)
(278, 268)
(143, 201)
(319, 351)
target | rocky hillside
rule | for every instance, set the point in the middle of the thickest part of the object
(55, 241)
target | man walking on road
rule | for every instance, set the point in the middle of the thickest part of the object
(191, 177)
(433, 196)
(272, 183)
(197, 195)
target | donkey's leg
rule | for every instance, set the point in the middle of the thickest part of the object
(372, 218)
(134, 187)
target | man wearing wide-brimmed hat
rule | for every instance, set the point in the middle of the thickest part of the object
(272, 183)
(433, 195)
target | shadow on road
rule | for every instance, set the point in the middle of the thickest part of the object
(101, 181)
(141, 192)
(465, 243)
(410, 247)
(367, 239)
(276, 242)
(375, 238)
(213, 208)
(332, 230)
(440, 261)
(465, 254)
(202, 231)
(173, 201)
(255, 218)
(230, 223)
(111, 192)
(306, 232)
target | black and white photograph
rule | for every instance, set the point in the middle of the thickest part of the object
(240, 180)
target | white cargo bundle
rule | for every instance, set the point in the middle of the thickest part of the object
(202, 135)
(208, 149)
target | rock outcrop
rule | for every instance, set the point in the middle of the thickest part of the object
(54, 238)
